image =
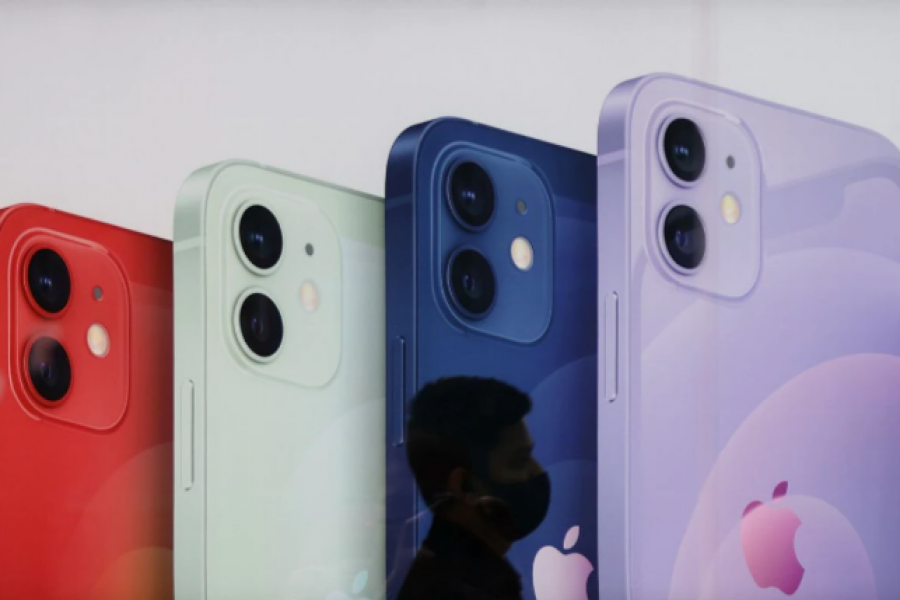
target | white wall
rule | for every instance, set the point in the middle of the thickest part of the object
(105, 107)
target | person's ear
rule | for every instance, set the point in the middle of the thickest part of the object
(459, 483)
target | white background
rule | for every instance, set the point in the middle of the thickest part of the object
(105, 107)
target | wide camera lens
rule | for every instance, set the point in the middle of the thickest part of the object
(48, 280)
(261, 325)
(472, 283)
(260, 237)
(471, 195)
(49, 369)
(684, 236)
(684, 149)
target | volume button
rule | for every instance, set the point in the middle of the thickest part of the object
(187, 435)
(611, 346)
(397, 391)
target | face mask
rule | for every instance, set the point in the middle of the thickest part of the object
(523, 506)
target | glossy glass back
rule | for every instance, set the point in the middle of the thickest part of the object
(85, 431)
(747, 429)
(279, 469)
(538, 335)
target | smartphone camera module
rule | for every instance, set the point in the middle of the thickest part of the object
(704, 201)
(49, 369)
(471, 194)
(260, 237)
(684, 150)
(261, 328)
(48, 280)
(684, 237)
(472, 283)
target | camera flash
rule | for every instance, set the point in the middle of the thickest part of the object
(731, 209)
(522, 254)
(98, 340)
(309, 296)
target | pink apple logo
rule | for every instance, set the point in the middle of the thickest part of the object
(559, 576)
(767, 535)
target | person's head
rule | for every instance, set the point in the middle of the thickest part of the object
(471, 454)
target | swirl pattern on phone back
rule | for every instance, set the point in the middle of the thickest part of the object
(553, 360)
(86, 437)
(748, 440)
(280, 482)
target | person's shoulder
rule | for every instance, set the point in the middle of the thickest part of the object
(424, 579)
(430, 579)
(442, 589)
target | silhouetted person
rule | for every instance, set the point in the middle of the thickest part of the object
(470, 452)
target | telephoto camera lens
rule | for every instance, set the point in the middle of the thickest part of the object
(472, 283)
(260, 237)
(49, 369)
(471, 195)
(684, 237)
(684, 150)
(48, 280)
(261, 326)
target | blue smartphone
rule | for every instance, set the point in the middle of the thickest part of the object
(497, 283)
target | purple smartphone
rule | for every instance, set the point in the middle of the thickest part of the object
(749, 288)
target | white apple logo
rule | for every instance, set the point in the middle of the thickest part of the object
(359, 583)
(559, 576)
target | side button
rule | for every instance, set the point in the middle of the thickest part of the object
(187, 435)
(611, 341)
(397, 391)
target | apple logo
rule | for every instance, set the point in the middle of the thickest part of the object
(767, 535)
(359, 583)
(834, 525)
(559, 576)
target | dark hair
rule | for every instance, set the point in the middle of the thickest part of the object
(456, 422)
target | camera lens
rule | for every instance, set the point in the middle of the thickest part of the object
(472, 283)
(684, 149)
(48, 280)
(260, 237)
(261, 325)
(684, 237)
(471, 195)
(49, 369)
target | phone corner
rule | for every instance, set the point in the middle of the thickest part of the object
(192, 197)
(7, 212)
(615, 112)
(407, 146)
(888, 146)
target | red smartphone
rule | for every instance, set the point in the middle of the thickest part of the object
(85, 409)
